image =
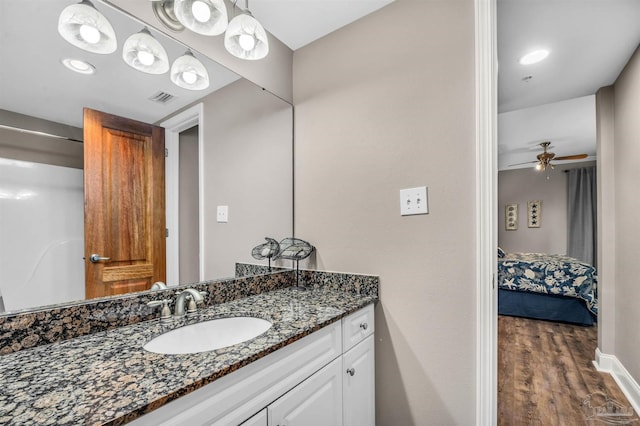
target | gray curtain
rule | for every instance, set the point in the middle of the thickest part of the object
(582, 223)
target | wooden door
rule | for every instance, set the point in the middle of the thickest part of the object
(124, 215)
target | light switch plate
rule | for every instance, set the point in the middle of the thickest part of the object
(223, 214)
(414, 201)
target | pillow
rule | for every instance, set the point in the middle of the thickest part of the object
(501, 253)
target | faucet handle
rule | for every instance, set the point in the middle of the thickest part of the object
(165, 312)
(192, 304)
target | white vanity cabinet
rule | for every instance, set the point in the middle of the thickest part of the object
(308, 382)
(259, 419)
(315, 402)
(358, 363)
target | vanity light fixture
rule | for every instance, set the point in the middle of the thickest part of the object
(189, 73)
(206, 17)
(82, 25)
(144, 53)
(78, 66)
(163, 9)
(534, 57)
(245, 37)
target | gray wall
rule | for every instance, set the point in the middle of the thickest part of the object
(38, 148)
(247, 166)
(523, 185)
(189, 208)
(606, 219)
(383, 104)
(626, 175)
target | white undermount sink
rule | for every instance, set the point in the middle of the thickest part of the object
(208, 335)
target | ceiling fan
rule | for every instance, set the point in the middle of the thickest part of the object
(544, 160)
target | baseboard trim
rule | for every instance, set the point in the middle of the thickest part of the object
(607, 363)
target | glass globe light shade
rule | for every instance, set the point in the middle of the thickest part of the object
(144, 53)
(82, 25)
(189, 73)
(246, 38)
(207, 17)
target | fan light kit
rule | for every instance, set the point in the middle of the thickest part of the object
(544, 159)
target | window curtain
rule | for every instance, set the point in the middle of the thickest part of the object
(582, 223)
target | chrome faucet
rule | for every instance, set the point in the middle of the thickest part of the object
(158, 285)
(193, 296)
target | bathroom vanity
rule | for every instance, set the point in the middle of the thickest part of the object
(314, 365)
(325, 378)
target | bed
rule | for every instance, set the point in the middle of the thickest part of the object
(547, 286)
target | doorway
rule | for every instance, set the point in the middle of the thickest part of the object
(187, 126)
(188, 220)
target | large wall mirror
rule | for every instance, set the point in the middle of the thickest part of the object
(235, 151)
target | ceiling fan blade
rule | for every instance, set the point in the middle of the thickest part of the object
(527, 162)
(571, 157)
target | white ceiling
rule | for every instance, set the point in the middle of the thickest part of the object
(590, 42)
(35, 83)
(299, 22)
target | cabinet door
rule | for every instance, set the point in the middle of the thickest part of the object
(359, 384)
(259, 419)
(315, 402)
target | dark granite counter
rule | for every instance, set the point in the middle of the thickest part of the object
(107, 378)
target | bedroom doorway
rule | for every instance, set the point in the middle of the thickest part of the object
(546, 190)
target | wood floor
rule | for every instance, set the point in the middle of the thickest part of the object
(545, 372)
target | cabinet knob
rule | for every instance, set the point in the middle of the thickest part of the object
(351, 371)
(364, 326)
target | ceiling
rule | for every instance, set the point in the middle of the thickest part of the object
(36, 83)
(299, 22)
(590, 42)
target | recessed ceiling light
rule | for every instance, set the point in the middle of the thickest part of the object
(534, 57)
(78, 66)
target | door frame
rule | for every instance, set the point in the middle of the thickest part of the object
(486, 72)
(185, 120)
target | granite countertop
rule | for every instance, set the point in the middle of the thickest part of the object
(107, 378)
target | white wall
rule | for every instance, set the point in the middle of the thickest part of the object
(523, 185)
(383, 104)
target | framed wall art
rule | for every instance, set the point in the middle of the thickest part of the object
(534, 213)
(511, 217)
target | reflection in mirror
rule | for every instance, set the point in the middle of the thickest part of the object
(239, 155)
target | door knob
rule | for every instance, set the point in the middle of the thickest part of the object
(351, 371)
(95, 258)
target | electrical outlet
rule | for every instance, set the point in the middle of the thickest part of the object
(414, 201)
(223, 214)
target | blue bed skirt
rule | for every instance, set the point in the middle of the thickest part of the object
(544, 306)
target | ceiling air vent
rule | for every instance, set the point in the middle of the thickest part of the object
(162, 97)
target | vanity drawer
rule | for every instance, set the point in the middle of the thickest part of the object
(357, 326)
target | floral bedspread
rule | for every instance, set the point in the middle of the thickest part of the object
(549, 274)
